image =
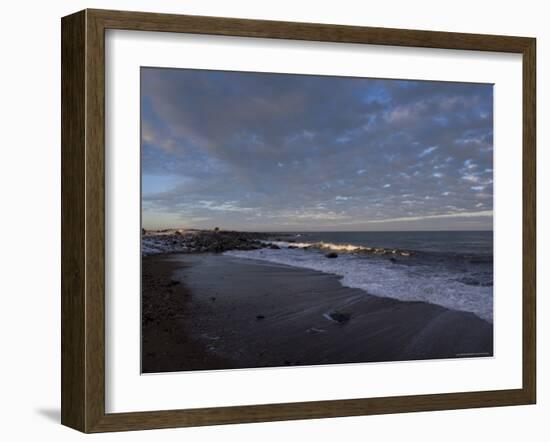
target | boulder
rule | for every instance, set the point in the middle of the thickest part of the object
(340, 317)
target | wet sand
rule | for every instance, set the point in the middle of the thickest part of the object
(210, 311)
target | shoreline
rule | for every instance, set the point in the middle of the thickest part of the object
(247, 313)
(192, 241)
(164, 311)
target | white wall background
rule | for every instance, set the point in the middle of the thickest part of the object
(30, 217)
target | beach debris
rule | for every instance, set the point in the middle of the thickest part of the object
(260, 317)
(339, 317)
(332, 255)
(403, 253)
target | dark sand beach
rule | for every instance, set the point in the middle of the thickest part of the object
(210, 311)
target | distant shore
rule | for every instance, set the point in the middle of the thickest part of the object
(204, 311)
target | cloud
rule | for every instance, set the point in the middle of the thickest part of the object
(260, 151)
(427, 151)
(483, 213)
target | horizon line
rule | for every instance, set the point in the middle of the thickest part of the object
(316, 231)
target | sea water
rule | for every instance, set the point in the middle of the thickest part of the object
(450, 269)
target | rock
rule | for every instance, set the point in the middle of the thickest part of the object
(274, 246)
(293, 247)
(260, 317)
(392, 259)
(172, 283)
(340, 317)
(403, 253)
(212, 241)
(332, 255)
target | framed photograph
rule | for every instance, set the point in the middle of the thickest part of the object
(269, 220)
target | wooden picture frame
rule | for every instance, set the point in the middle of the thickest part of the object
(83, 219)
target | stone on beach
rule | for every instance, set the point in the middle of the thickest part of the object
(339, 317)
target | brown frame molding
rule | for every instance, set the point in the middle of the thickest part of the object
(83, 216)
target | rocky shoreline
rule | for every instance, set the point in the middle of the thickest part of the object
(199, 241)
(219, 241)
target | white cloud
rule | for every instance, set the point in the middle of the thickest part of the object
(229, 206)
(471, 178)
(482, 213)
(428, 151)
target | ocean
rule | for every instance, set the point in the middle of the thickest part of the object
(451, 269)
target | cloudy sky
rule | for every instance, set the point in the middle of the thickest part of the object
(257, 151)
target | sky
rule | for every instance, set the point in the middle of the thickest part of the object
(281, 152)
